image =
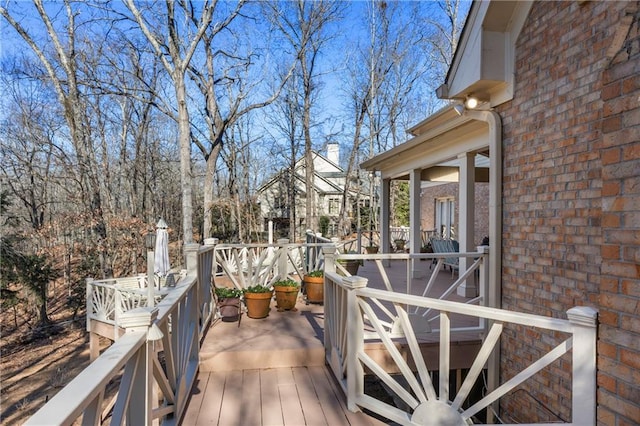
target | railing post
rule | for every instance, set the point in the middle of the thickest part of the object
(355, 341)
(207, 268)
(493, 363)
(329, 254)
(94, 339)
(282, 259)
(583, 404)
(483, 272)
(191, 258)
(140, 406)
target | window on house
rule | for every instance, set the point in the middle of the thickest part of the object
(445, 217)
(334, 206)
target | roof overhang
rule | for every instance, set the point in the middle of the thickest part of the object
(442, 137)
(483, 64)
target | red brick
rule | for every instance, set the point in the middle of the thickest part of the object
(607, 382)
(608, 317)
(630, 84)
(610, 156)
(610, 220)
(611, 124)
(632, 152)
(610, 252)
(631, 288)
(610, 189)
(630, 358)
(611, 90)
(607, 350)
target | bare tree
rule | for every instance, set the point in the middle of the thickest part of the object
(284, 125)
(230, 92)
(304, 24)
(176, 46)
(58, 54)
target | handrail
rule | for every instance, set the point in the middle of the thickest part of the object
(172, 329)
(350, 305)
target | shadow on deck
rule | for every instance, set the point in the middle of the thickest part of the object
(272, 371)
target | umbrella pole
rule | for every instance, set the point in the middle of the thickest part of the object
(150, 280)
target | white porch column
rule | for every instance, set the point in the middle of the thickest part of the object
(385, 201)
(466, 221)
(415, 236)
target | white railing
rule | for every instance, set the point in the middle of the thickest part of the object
(351, 307)
(252, 264)
(477, 271)
(149, 389)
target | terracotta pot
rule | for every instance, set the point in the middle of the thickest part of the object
(315, 289)
(229, 309)
(258, 304)
(286, 298)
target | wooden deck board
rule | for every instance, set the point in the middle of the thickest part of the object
(231, 410)
(308, 398)
(289, 400)
(270, 402)
(295, 396)
(251, 404)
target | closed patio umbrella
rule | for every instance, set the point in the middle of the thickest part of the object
(161, 263)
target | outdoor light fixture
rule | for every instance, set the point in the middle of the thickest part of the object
(459, 108)
(150, 241)
(471, 102)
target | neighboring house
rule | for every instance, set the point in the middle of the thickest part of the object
(558, 85)
(328, 191)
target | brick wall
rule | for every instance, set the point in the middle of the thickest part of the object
(619, 333)
(427, 206)
(570, 204)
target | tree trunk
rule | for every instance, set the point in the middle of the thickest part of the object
(186, 176)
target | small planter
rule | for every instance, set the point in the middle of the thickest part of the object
(258, 304)
(229, 309)
(315, 288)
(228, 303)
(350, 265)
(286, 295)
(371, 249)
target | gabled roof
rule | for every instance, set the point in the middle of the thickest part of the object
(323, 174)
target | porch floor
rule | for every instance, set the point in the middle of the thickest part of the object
(270, 396)
(278, 363)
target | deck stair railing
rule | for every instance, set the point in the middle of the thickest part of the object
(155, 360)
(351, 309)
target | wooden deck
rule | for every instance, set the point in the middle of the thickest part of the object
(272, 371)
(274, 396)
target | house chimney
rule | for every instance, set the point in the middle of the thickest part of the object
(333, 153)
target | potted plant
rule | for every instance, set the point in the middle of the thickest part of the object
(351, 265)
(371, 249)
(228, 303)
(314, 284)
(257, 298)
(286, 294)
(399, 244)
